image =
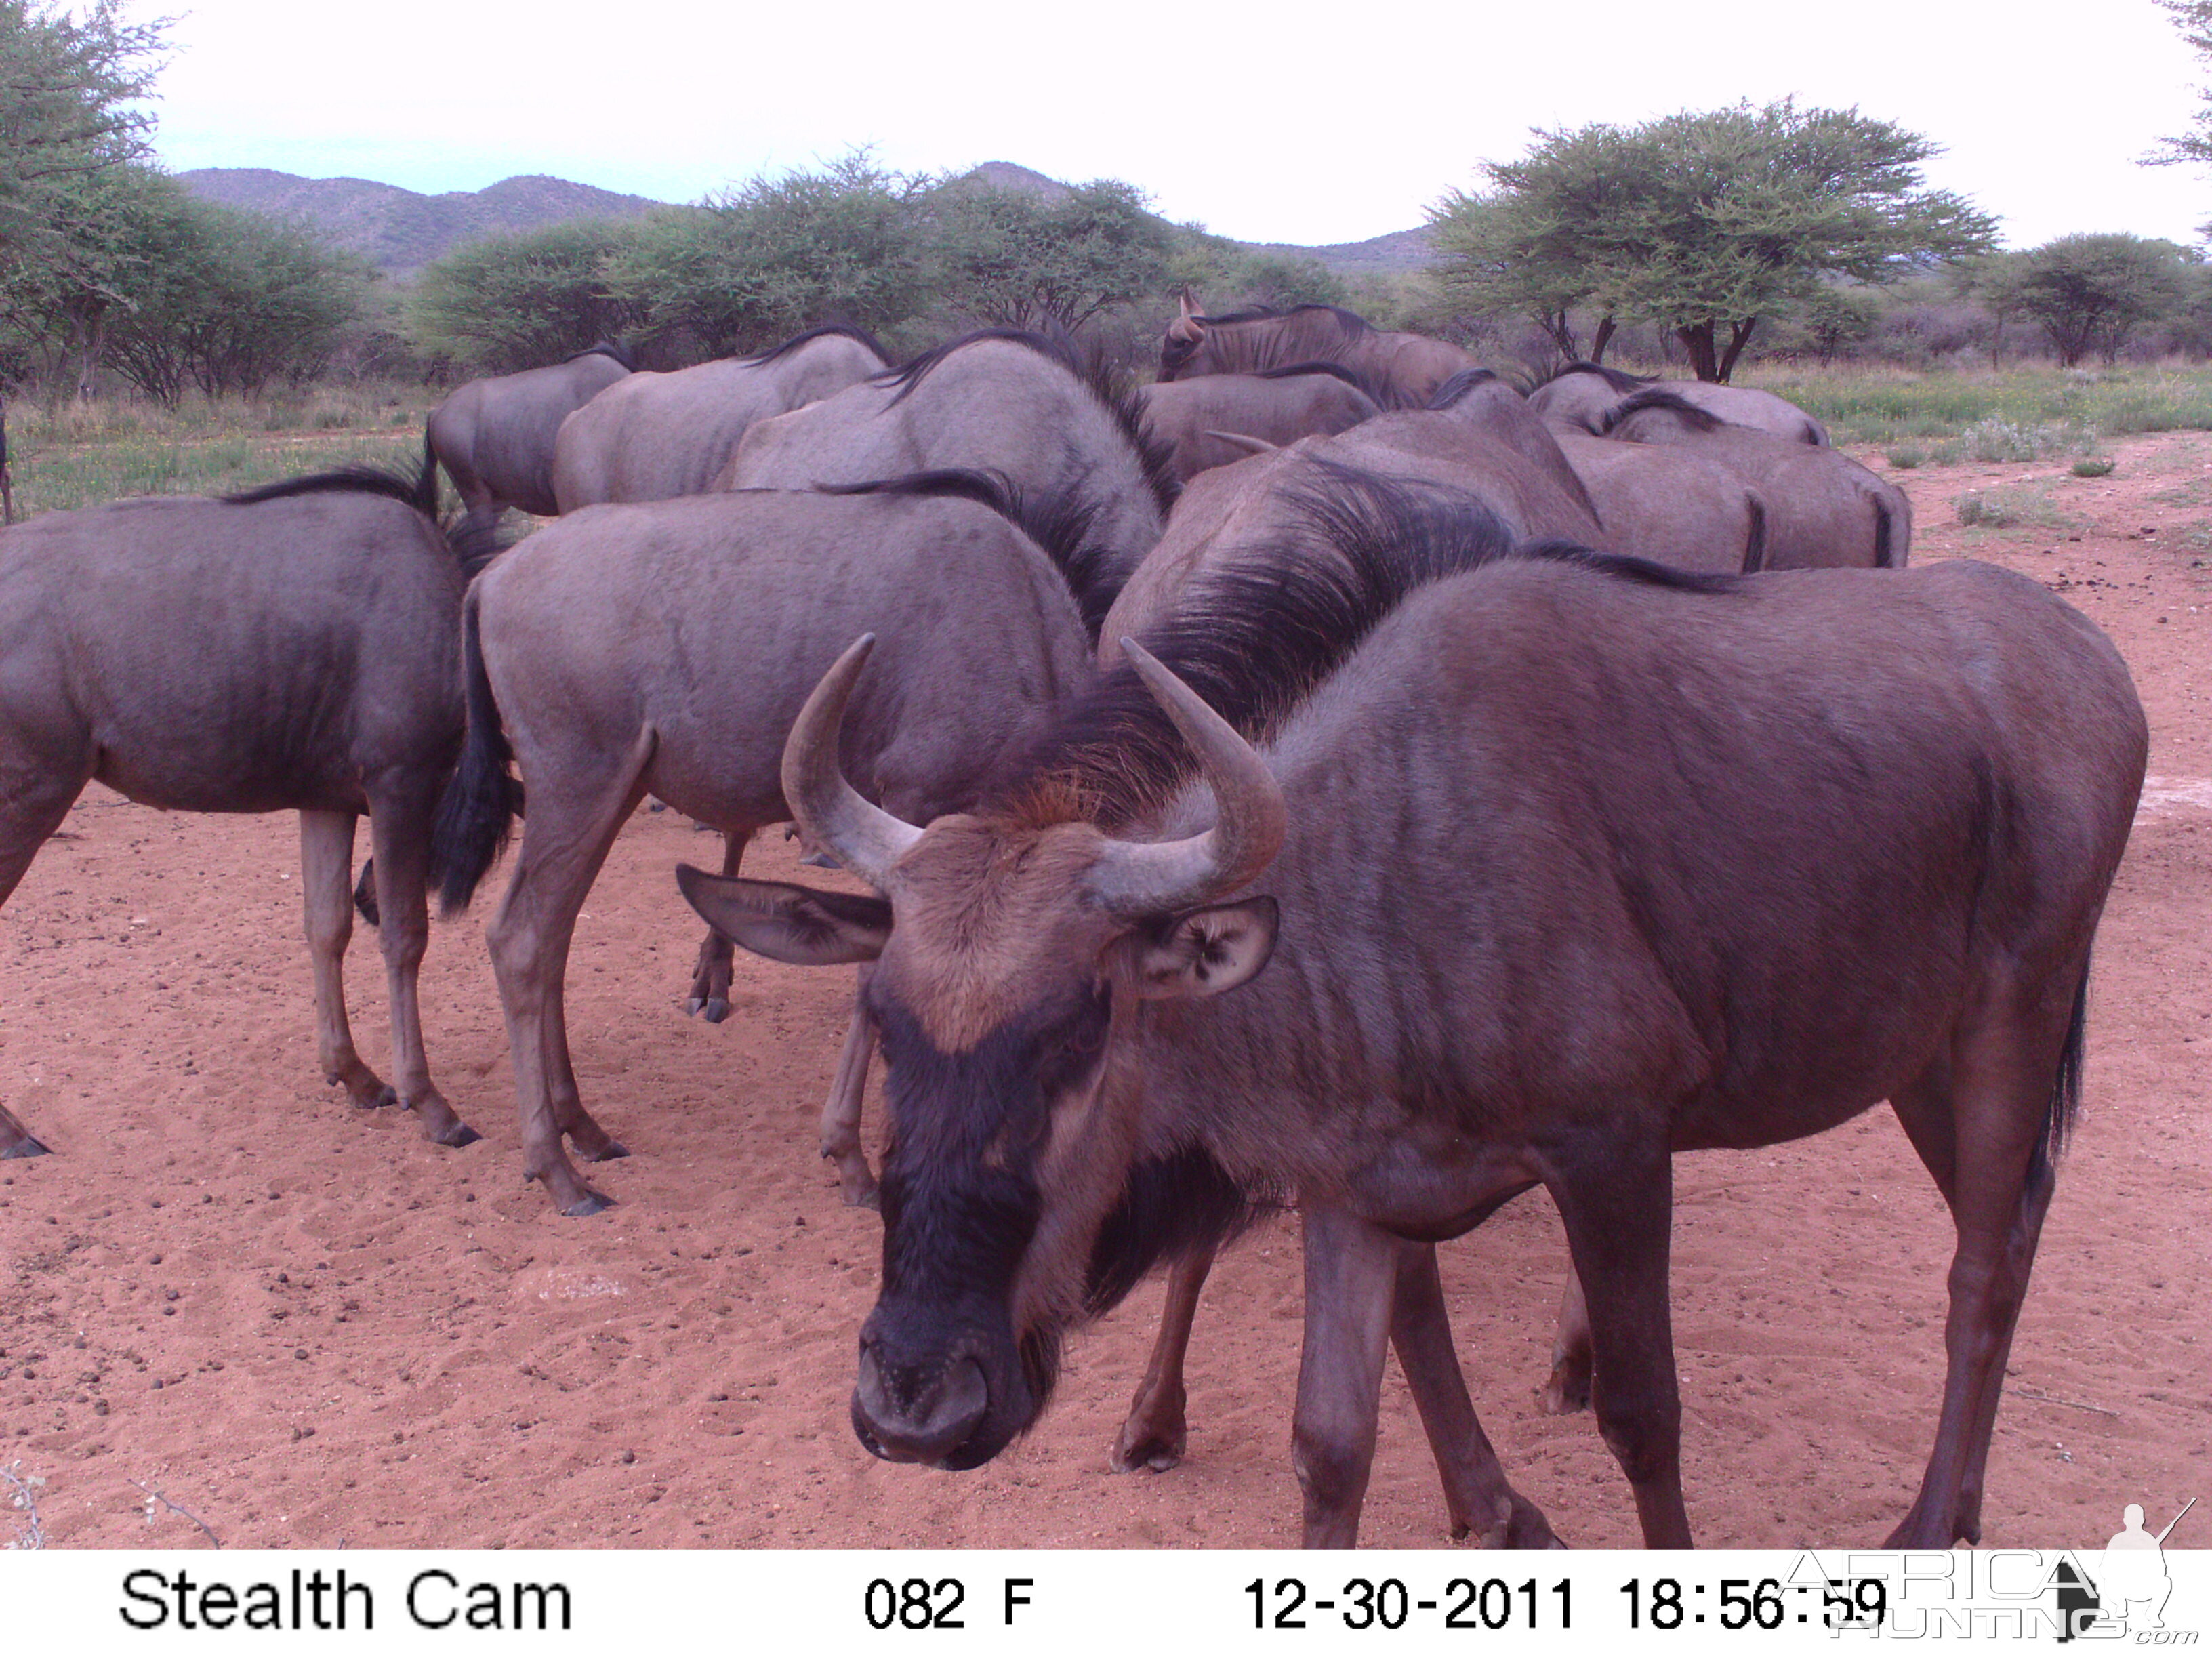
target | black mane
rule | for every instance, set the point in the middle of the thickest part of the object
(604, 348)
(1352, 378)
(1619, 378)
(859, 335)
(1671, 403)
(1256, 639)
(1459, 385)
(420, 492)
(1061, 527)
(1351, 322)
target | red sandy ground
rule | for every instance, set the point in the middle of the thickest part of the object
(310, 1327)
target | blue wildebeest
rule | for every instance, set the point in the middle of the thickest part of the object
(1057, 428)
(1402, 370)
(1657, 501)
(292, 649)
(651, 437)
(1583, 394)
(495, 436)
(1212, 420)
(1822, 507)
(1674, 861)
(666, 646)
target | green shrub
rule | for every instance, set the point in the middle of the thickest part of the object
(2094, 467)
(2002, 509)
(1906, 456)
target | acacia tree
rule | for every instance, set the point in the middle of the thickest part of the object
(1019, 260)
(515, 302)
(70, 87)
(756, 264)
(1702, 223)
(2091, 292)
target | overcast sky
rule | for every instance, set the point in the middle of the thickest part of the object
(1300, 125)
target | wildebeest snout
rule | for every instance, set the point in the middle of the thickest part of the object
(918, 1414)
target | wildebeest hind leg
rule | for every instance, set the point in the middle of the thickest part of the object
(710, 980)
(573, 821)
(1616, 1198)
(1352, 1271)
(1476, 1493)
(399, 828)
(1977, 1123)
(1568, 1388)
(841, 1113)
(34, 798)
(1155, 1433)
(326, 896)
(592, 1142)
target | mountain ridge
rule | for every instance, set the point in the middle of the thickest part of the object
(400, 230)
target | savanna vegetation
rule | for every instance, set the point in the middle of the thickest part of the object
(150, 340)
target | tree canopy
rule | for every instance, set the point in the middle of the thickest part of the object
(1018, 259)
(2091, 292)
(1700, 222)
(70, 87)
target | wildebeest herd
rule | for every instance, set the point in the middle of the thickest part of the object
(1331, 778)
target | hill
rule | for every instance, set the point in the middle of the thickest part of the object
(400, 230)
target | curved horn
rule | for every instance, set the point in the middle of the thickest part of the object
(1139, 878)
(1249, 445)
(866, 839)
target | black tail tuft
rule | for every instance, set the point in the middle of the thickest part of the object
(476, 813)
(474, 539)
(1754, 547)
(2066, 1088)
(364, 894)
(1885, 537)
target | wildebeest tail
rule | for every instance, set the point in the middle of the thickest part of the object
(2065, 1107)
(426, 484)
(1887, 555)
(478, 810)
(1754, 545)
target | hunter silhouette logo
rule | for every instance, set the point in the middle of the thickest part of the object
(2128, 1595)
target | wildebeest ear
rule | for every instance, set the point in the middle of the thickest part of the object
(1205, 952)
(803, 926)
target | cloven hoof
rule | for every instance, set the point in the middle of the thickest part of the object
(459, 1136)
(612, 1150)
(28, 1146)
(590, 1204)
(387, 1096)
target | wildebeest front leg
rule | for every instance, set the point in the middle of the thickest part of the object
(1155, 1434)
(710, 980)
(1568, 1388)
(1476, 1493)
(326, 894)
(1616, 1195)
(399, 831)
(1351, 1271)
(36, 791)
(841, 1113)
